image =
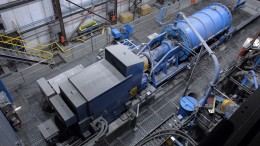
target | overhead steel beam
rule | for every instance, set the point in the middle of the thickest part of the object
(81, 22)
(89, 11)
(133, 4)
(14, 4)
(66, 16)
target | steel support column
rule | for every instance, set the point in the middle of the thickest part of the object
(115, 11)
(133, 4)
(111, 10)
(58, 15)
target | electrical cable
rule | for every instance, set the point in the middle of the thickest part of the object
(144, 141)
(187, 49)
(192, 71)
(168, 132)
(103, 130)
(177, 131)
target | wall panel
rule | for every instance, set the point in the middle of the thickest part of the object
(41, 12)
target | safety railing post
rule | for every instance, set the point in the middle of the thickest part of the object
(91, 37)
(72, 54)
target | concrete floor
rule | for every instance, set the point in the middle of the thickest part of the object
(28, 96)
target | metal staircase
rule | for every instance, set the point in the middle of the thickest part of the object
(15, 49)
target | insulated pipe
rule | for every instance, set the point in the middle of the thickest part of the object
(211, 53)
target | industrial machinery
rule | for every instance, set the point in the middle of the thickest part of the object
(99, 93)
(88, 27)
(93, 105)
(125, 32)
(120, 36)
(7, 107)
(7, 133)
(178, 41)
(234, 87)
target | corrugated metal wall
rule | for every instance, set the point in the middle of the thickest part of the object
(28, 16)
(7, 135)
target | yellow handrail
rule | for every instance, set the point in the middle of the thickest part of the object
(32, 51)
(39, 45)
(60, 48)
(49, 54)
(13, 39)
(30, 54)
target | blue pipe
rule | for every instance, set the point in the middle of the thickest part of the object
(255, 79)
(211, 53)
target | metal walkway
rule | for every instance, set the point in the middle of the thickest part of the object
(23, 56)
(22, 50)
(15, 49)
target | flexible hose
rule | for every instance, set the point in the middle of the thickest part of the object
(211, 53)
(102, 132)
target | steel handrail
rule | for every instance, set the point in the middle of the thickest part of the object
(49, 54)
(33, 43)
(30, 54)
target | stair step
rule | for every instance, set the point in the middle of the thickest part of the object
(20, 56)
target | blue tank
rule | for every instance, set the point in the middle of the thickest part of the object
(209, 21)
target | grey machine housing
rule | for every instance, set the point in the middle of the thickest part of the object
(99, 90)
